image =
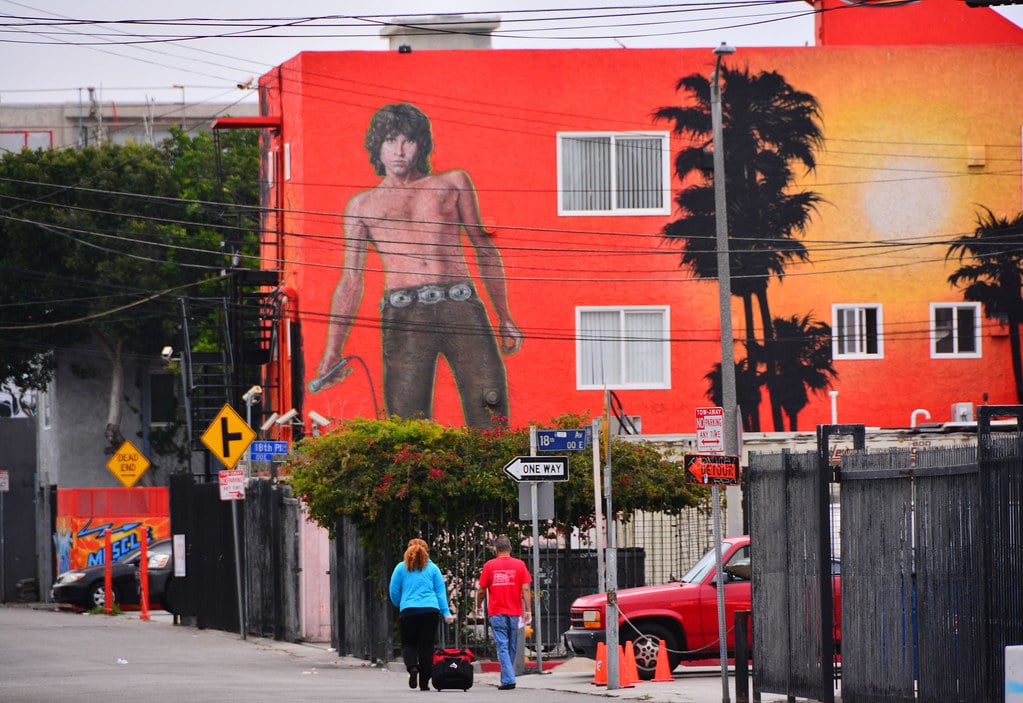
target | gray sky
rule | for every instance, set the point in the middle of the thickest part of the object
(133, 62)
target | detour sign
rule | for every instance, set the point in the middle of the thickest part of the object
(712, 469)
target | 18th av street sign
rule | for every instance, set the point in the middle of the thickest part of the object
(538, 468)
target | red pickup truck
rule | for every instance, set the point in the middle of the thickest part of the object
(684, 614)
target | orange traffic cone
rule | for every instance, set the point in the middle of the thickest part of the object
(662, 674)
(600, 670)
(625, 676)
(630, 663)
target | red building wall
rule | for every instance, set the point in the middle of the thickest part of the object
(898, 121)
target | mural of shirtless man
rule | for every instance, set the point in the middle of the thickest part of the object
(414, 219)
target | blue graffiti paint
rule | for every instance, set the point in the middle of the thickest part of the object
(118, 549)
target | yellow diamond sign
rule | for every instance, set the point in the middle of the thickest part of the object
(228, 436)
(127, 464)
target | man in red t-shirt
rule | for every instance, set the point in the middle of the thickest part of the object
(505, 581)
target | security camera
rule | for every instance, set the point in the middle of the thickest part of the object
(269, 422)
(287, 417)
(318, 419)
(167, 353)
(252, 395)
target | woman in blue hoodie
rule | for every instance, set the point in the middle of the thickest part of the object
(418, 591)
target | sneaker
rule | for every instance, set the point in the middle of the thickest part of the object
(506, 687)
(413, 677)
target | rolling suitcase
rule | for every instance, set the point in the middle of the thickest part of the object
(452, 666)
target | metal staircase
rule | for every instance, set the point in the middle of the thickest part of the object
(240, 338)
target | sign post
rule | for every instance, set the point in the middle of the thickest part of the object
(227, 438)
(714, 470)
(533, 469)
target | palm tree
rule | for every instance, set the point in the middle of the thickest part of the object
(768, 126)
(802, 359)
(994, 275)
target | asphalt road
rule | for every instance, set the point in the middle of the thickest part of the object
(48, 655)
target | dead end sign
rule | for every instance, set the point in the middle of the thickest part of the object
(712, 469)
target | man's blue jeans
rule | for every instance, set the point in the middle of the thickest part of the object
(506, 637)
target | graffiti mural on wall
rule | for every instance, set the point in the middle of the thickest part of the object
(81, 542)
(431, 307)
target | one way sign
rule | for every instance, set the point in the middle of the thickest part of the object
(538, 468)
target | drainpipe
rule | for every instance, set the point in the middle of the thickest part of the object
(834, 407)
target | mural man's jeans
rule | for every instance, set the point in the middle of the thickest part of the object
(418, 330)
(506, 636)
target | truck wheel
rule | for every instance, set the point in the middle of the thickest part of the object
(647, 642)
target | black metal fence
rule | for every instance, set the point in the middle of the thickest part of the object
(267, 522)
(931, 548)
(792, 641)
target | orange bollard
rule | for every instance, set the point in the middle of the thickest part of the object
(108, 576)
(600, 670)
(662, 674)
(144, 576)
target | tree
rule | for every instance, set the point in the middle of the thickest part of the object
(803, 363)
(99, 243)
(994, 273)
(768, 126)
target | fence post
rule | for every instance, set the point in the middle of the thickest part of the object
(742, 656)
(827, 603)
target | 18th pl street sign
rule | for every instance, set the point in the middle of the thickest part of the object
(538, 468)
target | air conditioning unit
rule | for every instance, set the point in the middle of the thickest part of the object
(962, 412)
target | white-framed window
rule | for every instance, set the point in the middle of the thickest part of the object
(856, 331)
(955, 330)
(623, 347)
(626, 173)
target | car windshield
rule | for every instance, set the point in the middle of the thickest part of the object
(703, 567)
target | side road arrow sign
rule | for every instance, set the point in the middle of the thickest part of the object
(538, 468)
(712, 469)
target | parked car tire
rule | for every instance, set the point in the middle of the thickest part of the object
(97, 595)
(647, 642)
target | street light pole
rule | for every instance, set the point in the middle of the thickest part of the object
(730, 429)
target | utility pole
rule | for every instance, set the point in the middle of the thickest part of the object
(728, 402)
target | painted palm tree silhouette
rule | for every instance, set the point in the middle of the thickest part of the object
(769, 127)
(803, 364)
(991, 268)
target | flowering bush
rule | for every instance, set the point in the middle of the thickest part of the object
(399, 472)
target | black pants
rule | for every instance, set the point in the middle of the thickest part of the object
(418, 634)
(414, 339)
